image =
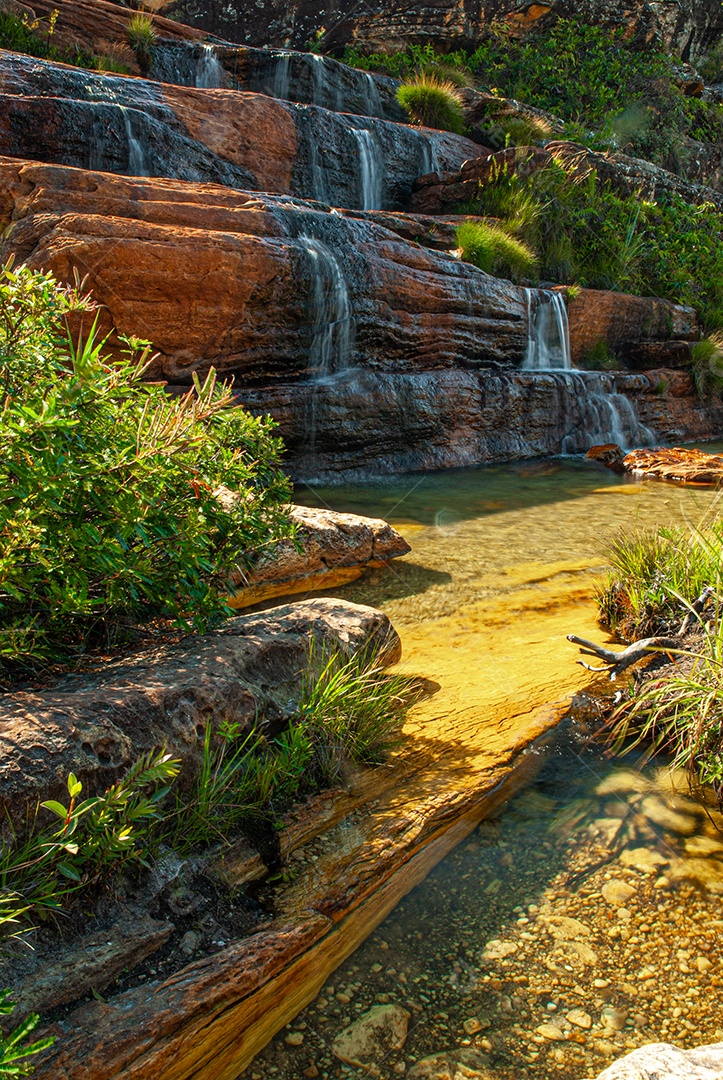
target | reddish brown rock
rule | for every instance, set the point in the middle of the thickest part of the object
(630, 326)
(96, 724)
(676, 464)
(329, 549)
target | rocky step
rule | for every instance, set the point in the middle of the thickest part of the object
(627, 175)
(208, 1019)
(52, 112)
(676, 464)
(689, 28)
(186, 56)
(217, 277)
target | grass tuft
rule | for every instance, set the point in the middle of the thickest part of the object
(432, 102)
(492, 249)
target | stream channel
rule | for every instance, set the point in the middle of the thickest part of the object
(584, 918)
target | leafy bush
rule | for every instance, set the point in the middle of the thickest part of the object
(432, 103)
(653, 574)
(585, 232)
(493, 250)
(35, 37)
(12, 1050)
(112, 510)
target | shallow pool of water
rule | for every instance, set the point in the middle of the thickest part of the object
(582, 922)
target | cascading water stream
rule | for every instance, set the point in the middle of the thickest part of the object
(430, 160)
(209, 72)
(330, 310)
(370, 173)
(548, 332)
(282, 75)
(137, 165)
(593, 411)
(373, 100)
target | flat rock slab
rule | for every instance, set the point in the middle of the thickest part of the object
(661, 1061)
(95, 725)
(331, 548)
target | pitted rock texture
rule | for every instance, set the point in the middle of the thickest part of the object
(661, 1061)
(329, 548)
(51, 112)
(217, 277)
(675, 463)
(96, 724)
(685, 27)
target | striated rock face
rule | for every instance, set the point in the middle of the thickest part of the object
(96, 725)
(54, 113)
(673, 463)
(661, 1061)
(329, 549)
(213, 276)
(643, 331)
(686, 27)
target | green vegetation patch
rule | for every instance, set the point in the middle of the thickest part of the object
(113, 510)
(586, 233)
(492, 249)
(432, 102)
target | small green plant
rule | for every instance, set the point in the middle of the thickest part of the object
(141, 35)
(14, 1047)
(600, 358)
(114, 56)
(707, 357)
(97, 837)
(432, 102)
(492, 249)
(712, 67)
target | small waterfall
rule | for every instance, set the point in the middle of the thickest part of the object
(373, 105)
(430, 160)
(136, 158)
(209, 72)
(370, 173)
(330, 310)
(601, 414)
(282, 75)
(548, 332)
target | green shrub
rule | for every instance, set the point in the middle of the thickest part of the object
(653, 574)
(111, 512)
(493, 250)
(432, 103)
(587, 233)
(20, 35)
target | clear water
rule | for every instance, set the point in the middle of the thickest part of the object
(511, 951)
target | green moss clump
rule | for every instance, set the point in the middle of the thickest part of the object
(493, 250)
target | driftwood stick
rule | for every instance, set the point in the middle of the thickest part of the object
(696, 608)
(617, 662)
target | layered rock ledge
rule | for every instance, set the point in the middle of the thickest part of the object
(329, 550)
(674, 463)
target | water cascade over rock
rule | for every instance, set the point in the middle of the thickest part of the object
(370, 174)
(209, 74)
(330, 310)
(137, 165)
(548, 332)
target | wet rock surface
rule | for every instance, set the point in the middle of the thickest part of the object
(575, 928)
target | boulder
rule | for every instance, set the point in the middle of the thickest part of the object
(661, 1061)
(330, 549)
(371, 1038)
(96, 724)
(675, 463)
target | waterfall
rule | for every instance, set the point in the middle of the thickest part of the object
(373, 104)
(548, 332)
(370, 173)
(282, 75)
(136, 158)
(601, 415)
(209, 72)
(430, 160)
(330, 310)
